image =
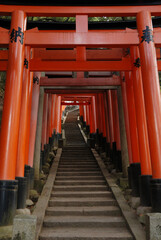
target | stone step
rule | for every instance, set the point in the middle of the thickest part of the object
(77, 165)
(76, 233)
(96, 173)
(80, 178)
(77, 169)
(80, 188)
(83, 221)
(84, 211)
(86, 202)
(79, 182)
(71, 194)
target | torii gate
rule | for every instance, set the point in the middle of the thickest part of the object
(142, 43)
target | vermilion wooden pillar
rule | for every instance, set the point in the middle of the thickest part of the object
(116, 119)
(59, 116)
(22, 140)
(52, 109)
(34, 112)
(29, 116)
(135, 166)
(93, 106)
(11, 117)
(21, 153)
(106, 118)
(110, 114)
(44, 121)
(126, 116)
(55, 114)
(117, 130)
(152, 101)
(145, 160)
(49, 118)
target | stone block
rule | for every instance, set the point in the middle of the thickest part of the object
(153, 226)
(124, 183)
(143, 210)
(24, 227)
(135, 202)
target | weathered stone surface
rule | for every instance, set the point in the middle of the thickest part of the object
(142, 219)
(23, 211)
(33, 195)
(6, 233)
(38, 184)
(43, 176)
(24, 227)
(124, 183)
(135, 202)
(45, 169)
(153, 226)
(29, 202)
(51, 155)
(143, 210)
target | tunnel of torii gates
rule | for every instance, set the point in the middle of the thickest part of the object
(111, 74)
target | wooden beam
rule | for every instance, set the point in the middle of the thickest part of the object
(50, 82)
(47, 66)
(69, 11)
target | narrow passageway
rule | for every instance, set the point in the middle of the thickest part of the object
(81, 205)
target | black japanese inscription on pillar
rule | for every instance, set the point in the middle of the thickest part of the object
(147, 35)
(17, 34)
(26, 63)
(36, 80)
(137, 63)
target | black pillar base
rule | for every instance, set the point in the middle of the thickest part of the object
(27, 175)
(8, 201)
(41, 160)
(130, 176)
(114, 154)
(107, 149)
(119, 162)
(32, 172)
(100, 139)
(135, 173)
(155, 189)
(60, 143)
(87, 129)
(104, 144)
(91, 142)
(22, 192)
(144, 181)
(84, 124)
(81, 119)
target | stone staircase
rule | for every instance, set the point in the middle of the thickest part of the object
(81, 206)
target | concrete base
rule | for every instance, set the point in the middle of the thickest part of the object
(153, 226)
(24, 211)
(24, 227)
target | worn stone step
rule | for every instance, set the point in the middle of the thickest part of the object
(77, 169)
(79, 182)
(96, 173)
(80, 188)
(84, 211)
(83, 221)
(82, 202)
(77, 165)
(76, 233)
(71, 194)
(80, 178)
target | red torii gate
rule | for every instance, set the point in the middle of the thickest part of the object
(144, 38)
